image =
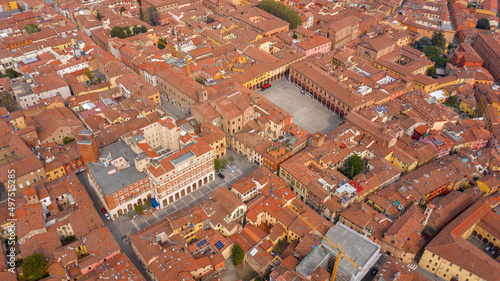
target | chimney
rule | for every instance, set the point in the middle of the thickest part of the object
(88, 146)
(428, 212)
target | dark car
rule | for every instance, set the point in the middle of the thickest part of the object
(374, 271)
(221, 175)
(104, 211)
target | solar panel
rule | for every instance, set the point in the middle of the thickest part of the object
(201, 243)
(219, 245)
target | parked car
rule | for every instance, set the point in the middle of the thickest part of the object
(302, 92)
(230, 169)
(104, 211)
(221, 175)
(494, 252)
(107, 216)
(374, 271)
(487, 249)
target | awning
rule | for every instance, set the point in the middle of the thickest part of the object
(154, 203)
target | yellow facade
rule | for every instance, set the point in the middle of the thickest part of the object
(445, 269)
(406, 167)
(465, 108)
(10, 5)
(55, 173)
(188, 232)
(19, 123)
(485, 188)
(65, 45)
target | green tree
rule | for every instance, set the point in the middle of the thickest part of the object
(231, 159)
(89, 74)
(217, 164)
(34, 267)
(469, 5)
(161, 43)
(122, 9)
(139, 29)
(99, 16)
(483, 24)
(258, 278)
(210, 20)
(31, 28)
(138, 208)
(11, 73)
(423, 42)
(353, 166)
(282, 11)
(431, 71)
(141, 14)
(152, 15)
(7, 101)
(128, 31)
(238, 254)
(294, 36)
(200, 80)
(451, 101)
(67, 140)
(118, 31)
(438, 40)
(439, 61)
(223, 162)
(430, 51)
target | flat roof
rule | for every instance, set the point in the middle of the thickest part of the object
(359, 248)
(182, 158)
(356, 246)
(111, 183)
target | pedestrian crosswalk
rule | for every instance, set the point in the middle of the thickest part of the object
(413, 266)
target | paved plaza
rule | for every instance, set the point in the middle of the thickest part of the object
(307, 112)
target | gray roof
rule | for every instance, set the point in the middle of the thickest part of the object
(359, 248)
(109, 184)
(183, 158)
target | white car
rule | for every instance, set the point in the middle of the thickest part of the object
(107, 216)
(230, 169)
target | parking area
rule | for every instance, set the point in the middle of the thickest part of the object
(307, 113)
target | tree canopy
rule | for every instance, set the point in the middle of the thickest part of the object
(99, 16)
(161, 43)
(353, 166)
(11, 73)
(124, 32)
(431, 71)
(118, 31)
(438, 40)
(439, 61)
(139, 29)
(430, 51)
(282, 11)
(217, 164)
(34, 267)
(423, 42)
(238, 254)
(31, 28)
(483, 24)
